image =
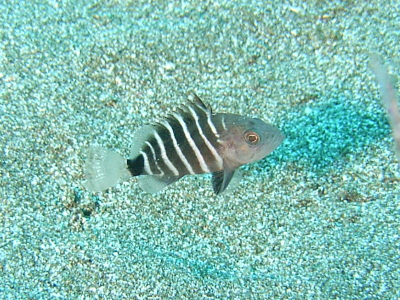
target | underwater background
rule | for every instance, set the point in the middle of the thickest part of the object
(317, 219)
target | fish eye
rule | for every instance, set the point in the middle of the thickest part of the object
(251, 138)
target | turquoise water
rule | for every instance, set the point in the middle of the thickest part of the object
(317, 219)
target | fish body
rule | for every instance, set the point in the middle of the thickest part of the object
(191, 141)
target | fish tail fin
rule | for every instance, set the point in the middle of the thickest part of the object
(104, 169)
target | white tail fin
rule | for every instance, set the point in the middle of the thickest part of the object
(104, 169)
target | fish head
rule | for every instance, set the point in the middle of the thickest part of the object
(246, 140)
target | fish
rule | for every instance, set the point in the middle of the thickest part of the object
(192, 140)
(389, 98)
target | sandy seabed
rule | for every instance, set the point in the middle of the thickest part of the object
(317, 219)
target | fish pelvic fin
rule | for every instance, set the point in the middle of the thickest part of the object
(222, 179)
(104, 169)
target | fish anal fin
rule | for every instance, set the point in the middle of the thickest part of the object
(153, 184)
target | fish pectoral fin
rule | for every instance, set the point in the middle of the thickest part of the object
(221, 180)
(153, 183)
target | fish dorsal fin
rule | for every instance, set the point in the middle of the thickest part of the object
(139, 138)
(221, 180)
(153, 184)
(196, 101)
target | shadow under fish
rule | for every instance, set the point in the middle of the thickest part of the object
(192, 140)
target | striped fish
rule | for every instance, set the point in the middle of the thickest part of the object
(192, 140)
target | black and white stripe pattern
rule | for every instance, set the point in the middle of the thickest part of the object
(191, 141)
(185, 143)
